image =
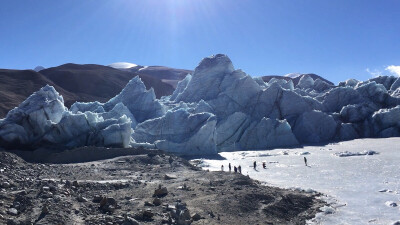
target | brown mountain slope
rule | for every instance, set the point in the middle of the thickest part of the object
(96, 82)
(17, 85)
(167, 75)
(74, 82)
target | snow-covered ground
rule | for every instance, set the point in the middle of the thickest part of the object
(362, 189)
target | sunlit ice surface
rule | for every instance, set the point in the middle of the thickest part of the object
(362, 189)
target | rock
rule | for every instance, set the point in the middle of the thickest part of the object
(81, 199)
(130, 221)
(146, 203)
(391, 204)
(45, 210)
(196, 217)
(45, 188)
(5, 184)
(13, 211)
(97, 199)
(161, 192)
(148, 214)
(170, 177)
(108, 205)
(157, 201)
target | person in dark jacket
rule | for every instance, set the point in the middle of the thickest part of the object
(305, 160)
(240, 169)
(230, 168)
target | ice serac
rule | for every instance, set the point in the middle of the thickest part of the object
(386, 81)
(320, 85)
(372, 91)
(207, 78)
(42, 120)
(180, 87)
(305, 82)
(87, 107)
(347, 132)
(358, 112)
(283, 83)
(338, 97)
(141, 103)
(230, 130)
(179, 132)
(32, 118)
(315, 127)
(349, 83)
(386, 118)
(268, 133)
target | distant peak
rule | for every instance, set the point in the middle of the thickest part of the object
(39, 68)
(293, 75)
(122, 65)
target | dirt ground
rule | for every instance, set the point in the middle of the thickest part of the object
(149, 187)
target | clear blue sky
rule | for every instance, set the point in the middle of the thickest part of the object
(336, 39)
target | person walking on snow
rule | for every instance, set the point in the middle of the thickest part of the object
(305, 160)
(240, 169)
(222, 168)
(255, 164)
(229, 167)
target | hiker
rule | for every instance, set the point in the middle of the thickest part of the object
(240, 169)
(264, 166)
(222, 168)
(305, 160)
(230, 167)
(255, 164)
(235, 169)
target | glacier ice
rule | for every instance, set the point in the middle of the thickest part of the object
(315, 127)
(141, 102)
(180, 87)
(179, 132)
(216, 108)
(305, 82)
(43, 120)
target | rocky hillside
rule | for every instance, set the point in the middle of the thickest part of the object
(99, 83)
(148, 187)
(17, 85)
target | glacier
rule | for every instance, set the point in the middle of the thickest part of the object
(216, 108)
